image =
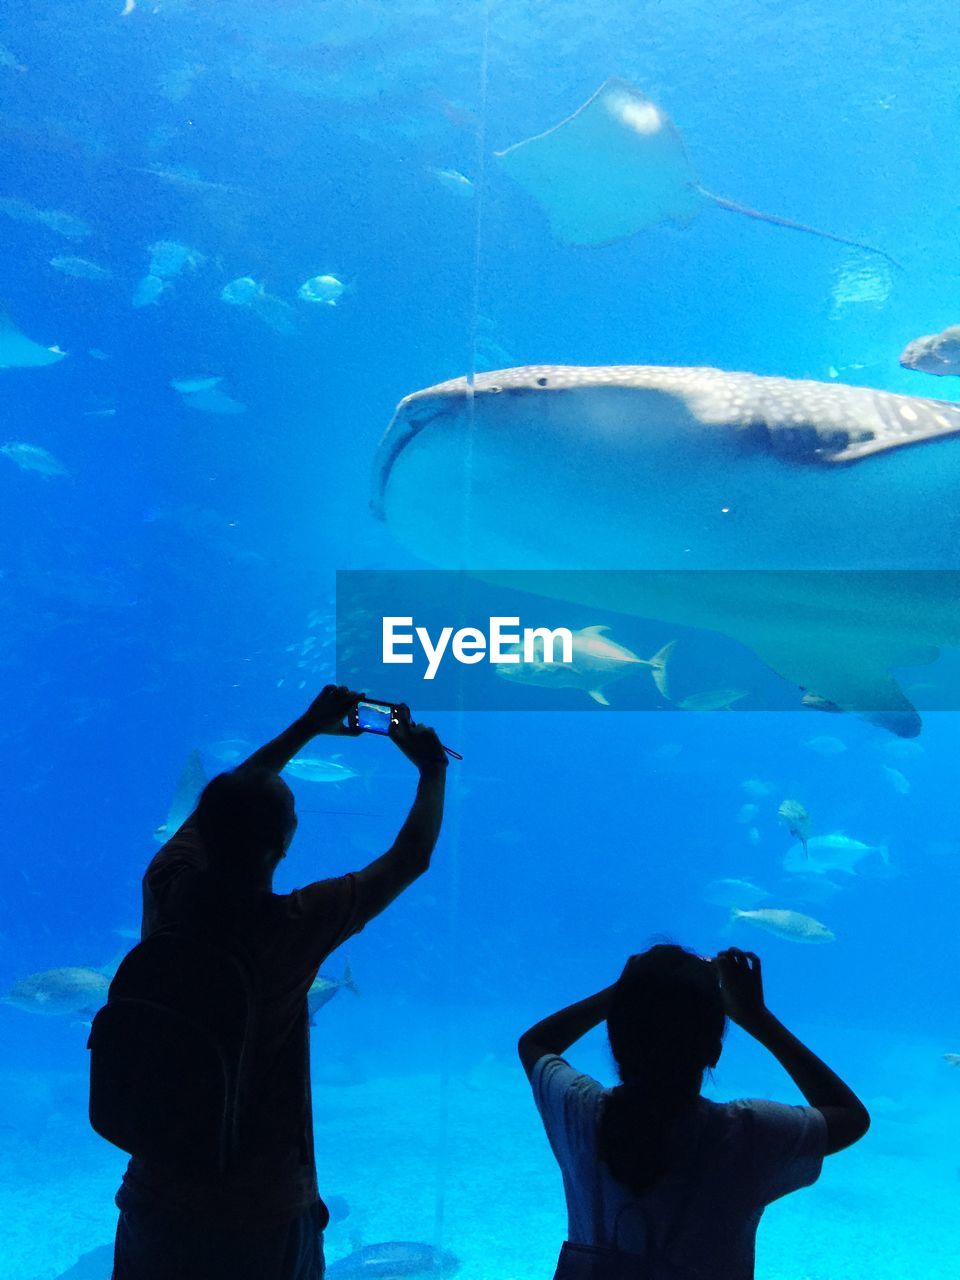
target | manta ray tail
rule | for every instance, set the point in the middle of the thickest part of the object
(732, 207)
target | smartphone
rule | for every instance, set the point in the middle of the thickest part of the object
(377, 717)
(373, 717)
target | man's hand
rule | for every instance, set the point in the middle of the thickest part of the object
(741, 985)
(419, 744)
(327, 711)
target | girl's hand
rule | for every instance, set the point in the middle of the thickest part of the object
(741, 985)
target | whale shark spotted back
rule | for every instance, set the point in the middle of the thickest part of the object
(643, 467)
(800, 420)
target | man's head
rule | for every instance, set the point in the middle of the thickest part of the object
(246, 820)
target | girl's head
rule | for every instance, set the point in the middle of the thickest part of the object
(666, 1025)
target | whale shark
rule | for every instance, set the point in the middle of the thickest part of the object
(801, 518)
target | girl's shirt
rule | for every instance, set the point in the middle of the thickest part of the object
(729, 1161)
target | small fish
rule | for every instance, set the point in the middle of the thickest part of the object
(213, 400)
(324, 989)
(798, 821)
(63, 224)
(169, 257)
(189, 179)
(59, 992)
(812, 886)
(757, 787)
(394, 1260)
(789, 925)
(19, 210)
(241, 292)
(176, 84)
(826, 746)
(96, 354)
(453, 181)
(30, 457)
(189, 385)
(99, 413)
(937, 353)
(231, 751)
(312, 769)
(836, 852)
(149, 290)
(10, 60)
(596, 661)
(712, 700)
(80, 268)
(734, 893)
(327, 290)
(896, 779)
(952, 1058)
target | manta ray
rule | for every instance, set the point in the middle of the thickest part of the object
(800, 518)
(619, 165)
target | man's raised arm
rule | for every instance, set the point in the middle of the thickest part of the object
(325, 715)
(409, 856)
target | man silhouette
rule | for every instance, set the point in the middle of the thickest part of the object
(262, 1218)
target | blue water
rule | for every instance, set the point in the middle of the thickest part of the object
(157, 597)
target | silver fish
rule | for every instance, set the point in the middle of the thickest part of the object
(59, 992)
(393, 1260)
(324, 989)
(798, 821)
(789, 925)
(742, 894)
(838, 852)
(313, 769)
(80, 268)
(597, 660)
(30, 457)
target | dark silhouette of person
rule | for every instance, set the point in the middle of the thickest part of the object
(263, 1219)
(661, 1183)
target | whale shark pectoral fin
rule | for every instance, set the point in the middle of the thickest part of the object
(853, 678)
(597, 696)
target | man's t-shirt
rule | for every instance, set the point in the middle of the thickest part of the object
(729, 1161)
(285, 937)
